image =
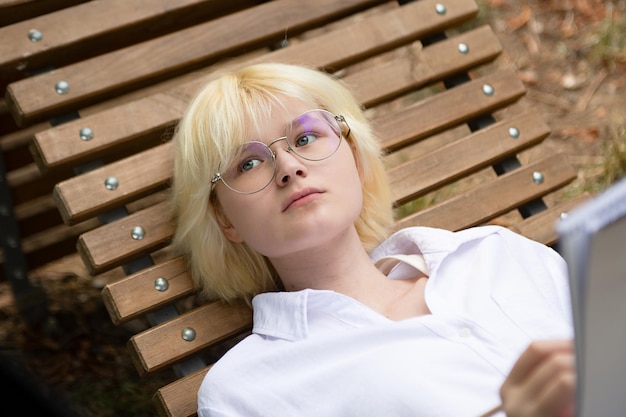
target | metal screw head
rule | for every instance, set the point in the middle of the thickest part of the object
(137, 233)
(111, 183)
(34, 35)
(488, 90)
(86, 133)
(440, 9)
(161, 284)
(188, 334)
(62, 87)
(563, 215)
(538, 177)
(463, 48)
(4, 210)
(514, 132)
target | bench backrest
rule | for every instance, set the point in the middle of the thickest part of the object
(451, 116)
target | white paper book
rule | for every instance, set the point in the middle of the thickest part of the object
(592, 239)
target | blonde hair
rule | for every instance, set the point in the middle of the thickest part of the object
(216, 123)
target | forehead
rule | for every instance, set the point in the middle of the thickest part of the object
(269, 127)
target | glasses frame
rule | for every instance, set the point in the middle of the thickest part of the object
(341, 121)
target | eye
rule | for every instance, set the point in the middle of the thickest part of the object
(305, 139)
(249, 164)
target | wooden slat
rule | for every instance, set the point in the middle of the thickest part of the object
(136, 294)
(61, 145)
(417, 68)
(541, 226)
(136, 121)
(449, 108)
(488, 201)
(12, 11)
(131, 67)
(463, 157)
(376, 34)
(85, 196)
(112, 245)
(163, 345)
(180, 397)
(95, 27)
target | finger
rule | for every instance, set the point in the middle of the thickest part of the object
(547, 391)
(557, 399)
(555, 365)
(531, 374)
(534, 354)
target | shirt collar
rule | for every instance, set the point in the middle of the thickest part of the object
(288, 315)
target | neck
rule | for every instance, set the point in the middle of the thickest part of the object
(341, 265)
(344, 266)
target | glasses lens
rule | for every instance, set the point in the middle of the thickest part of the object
(251, 170)
(314, 135)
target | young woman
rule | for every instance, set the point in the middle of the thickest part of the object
(281, 198)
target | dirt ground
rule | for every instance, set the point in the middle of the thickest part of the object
(571, 55)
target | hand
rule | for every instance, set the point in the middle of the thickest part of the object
(542, 382)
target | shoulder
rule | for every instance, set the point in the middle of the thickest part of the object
(226, 379)
(430, 240)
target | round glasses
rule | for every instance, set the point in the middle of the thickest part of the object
(314, 135)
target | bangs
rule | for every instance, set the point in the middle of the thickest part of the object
(251, 111)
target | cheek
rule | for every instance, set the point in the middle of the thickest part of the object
(348, 176)
(248, 216)
(349, 169)
(232, 210)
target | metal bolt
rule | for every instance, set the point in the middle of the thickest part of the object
(138, 233)
(34, 35)
(463, 48)
(564, 215)
(488, 90)
(514, 132)
(440, 9)
(161, 284)
(189, 334)
(538, 177)
(4, 210)
(111, 183)
(86, 133)
(62, 87)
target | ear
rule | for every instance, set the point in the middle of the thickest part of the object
(227, 228)
(231, 233)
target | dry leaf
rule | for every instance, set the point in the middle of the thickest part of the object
(521, 19)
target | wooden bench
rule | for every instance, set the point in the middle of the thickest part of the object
(465, 149)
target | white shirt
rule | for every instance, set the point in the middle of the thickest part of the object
(320, 353)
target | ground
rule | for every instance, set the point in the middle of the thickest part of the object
(571, 55)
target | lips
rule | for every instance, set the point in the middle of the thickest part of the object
(298, 195)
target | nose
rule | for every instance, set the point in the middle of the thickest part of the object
(288, 166)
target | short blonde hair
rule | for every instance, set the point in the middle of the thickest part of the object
(216, 123)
